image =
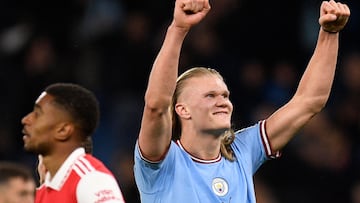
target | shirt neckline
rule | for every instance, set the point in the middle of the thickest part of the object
(199, 160)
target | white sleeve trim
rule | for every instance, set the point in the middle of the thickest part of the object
(145, 159)
(266, 142)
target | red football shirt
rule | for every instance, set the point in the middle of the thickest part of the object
(81, 179)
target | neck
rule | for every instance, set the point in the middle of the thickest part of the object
(202, 146)
(53, 161)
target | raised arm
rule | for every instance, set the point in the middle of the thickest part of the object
(315, 85)
(155, 133)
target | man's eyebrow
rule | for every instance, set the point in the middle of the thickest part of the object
(37, 106)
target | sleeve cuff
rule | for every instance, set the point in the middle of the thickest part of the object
(266, 142)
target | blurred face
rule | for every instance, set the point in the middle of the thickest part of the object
(17, 190)
(206, 100)
(41, 125)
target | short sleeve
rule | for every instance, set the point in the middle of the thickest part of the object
(149, 176)
(98, 187)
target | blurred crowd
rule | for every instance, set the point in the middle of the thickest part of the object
(260, 47)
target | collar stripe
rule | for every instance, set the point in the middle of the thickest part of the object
(217, 159)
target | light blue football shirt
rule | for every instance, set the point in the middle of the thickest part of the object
(181, 178)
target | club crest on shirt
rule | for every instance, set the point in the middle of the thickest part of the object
(220, 187)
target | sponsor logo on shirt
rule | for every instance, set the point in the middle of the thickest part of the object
(105, 195)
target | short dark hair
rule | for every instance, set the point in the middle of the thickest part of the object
(79, 102)
(9, 170)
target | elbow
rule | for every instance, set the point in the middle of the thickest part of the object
(159, 103)
(317, 104)
(310, 105)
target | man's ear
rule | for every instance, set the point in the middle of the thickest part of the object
(182, 111)
(64, 131)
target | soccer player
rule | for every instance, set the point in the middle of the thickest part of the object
(58, 129)
(17, 184)
(186, 150)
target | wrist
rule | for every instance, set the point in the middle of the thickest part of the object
(182, 31)
(329, 31)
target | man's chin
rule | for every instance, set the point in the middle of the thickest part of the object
(218, 132)
(30, 149)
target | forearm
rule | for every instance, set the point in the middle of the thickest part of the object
(163, 75)
(316, 82)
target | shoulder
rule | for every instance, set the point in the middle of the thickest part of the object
(256, 128)
(98, 187)
(171, 154)
(88, 164)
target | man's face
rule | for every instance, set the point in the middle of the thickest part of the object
(42, 124)
(18, 190)
(206, 99)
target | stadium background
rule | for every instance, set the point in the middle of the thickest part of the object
(260, 47)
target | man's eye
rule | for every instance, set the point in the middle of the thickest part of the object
(35, 113)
